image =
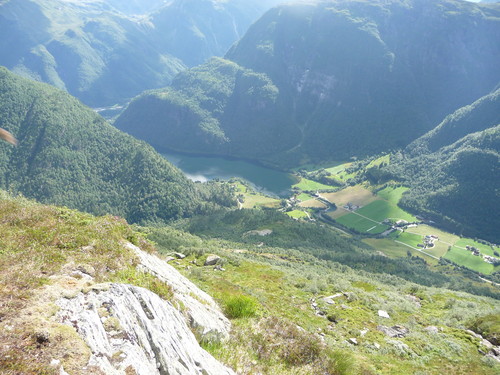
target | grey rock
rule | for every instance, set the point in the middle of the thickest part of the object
(394, 331)
(179, 255)
(486, 343)
(383, 314)
(86, 269)
(169, 259)
(212, 260)
(151, 335)
(329, 300)
(353, 341)
(415, 300)
(204, 315)
(432, 329)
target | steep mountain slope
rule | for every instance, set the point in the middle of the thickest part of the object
(351, 78)
(69, 155)
(107, 51)
(78, 296)
(83, 299)
(194, 113)
(454, 170)
(96, 54)
(195, 30)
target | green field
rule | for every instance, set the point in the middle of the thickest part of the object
(252, 200)
(467, 259)
(308, 185)
(396, 250)
(381, 160)
(410, 239)
(297, 214)
(304, 197)
(380, 210)
(391, 194)
(485, 249)
(444, 237)
(361, 224)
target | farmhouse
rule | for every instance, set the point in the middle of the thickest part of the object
(351, 207)
(492, 260)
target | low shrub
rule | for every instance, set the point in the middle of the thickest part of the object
(240, 306)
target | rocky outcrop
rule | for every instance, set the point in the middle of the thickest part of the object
(212, 260)
(132, 330)
(204, 315)
(394, 331)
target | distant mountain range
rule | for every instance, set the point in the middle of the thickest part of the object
(68, 155)
(107, 51)
(328, 80)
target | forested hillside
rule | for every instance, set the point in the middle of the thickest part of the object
(107, 51)
(349, 78)
(68, 155)
(454, 170)
(194, 113)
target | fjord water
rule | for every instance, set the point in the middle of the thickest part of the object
(204, 168)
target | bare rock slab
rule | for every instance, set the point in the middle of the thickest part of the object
(139, 332)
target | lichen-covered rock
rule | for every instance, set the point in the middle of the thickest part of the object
(138, 331)
(212, 260)
(394, 331)
(204, 315)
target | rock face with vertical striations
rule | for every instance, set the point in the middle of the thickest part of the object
(204, 315)
(132, 330)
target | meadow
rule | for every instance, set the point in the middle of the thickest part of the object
(467, 259)
(309, 185)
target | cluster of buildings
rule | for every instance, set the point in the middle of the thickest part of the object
(428, 241)
(473, 249)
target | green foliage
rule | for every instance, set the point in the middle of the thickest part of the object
(211, 109)
(68, 155)
(489, 327)
(319, 82)
(453, 171)
(340, 362)
(312, 239)
(132, 275)
(240, 306)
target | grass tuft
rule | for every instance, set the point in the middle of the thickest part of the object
(240, 306)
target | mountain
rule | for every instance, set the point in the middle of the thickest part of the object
(107, 51)
(68, 155)
(194, 113)
(195, 30)
(349, 78)
(454, 170)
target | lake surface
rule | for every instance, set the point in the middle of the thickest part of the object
(204, 168)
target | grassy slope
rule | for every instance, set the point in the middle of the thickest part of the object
(38, 245)
(284, 287)
(280, 283)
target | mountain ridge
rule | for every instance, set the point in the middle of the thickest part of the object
(69, 155)
(354, 78)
